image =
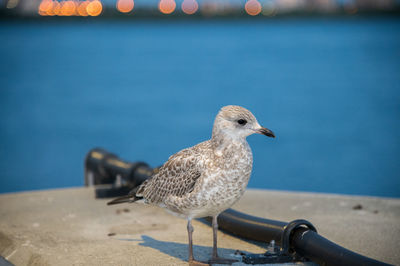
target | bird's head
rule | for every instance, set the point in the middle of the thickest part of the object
(238, 122)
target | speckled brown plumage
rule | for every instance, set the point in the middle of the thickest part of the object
(197, 182)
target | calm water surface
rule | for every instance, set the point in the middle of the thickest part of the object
(328, 88)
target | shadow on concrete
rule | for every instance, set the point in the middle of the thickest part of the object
(180, 251)
(256, 243)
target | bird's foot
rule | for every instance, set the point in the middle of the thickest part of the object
(219, 260)
(193, 262)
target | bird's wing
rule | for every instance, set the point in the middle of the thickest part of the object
(176, 177)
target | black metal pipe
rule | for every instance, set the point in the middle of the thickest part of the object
(250, 227)
(322, 251)
(303, 241)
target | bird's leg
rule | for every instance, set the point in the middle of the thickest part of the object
(190, 233)
(215, 259)
(215, 230)
(192, 261)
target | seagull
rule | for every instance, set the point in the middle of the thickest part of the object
(206, 179)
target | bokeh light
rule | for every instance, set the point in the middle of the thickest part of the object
(205, 8)
(125, 6)
(189, 6)
(55, 11)
(94, 8)
(167, 6)
(68, 8)
(253, 7)
(82, 9)
(12, 4)
(44, 7)
(269, 8)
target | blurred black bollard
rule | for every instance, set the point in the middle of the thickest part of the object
(113, 176)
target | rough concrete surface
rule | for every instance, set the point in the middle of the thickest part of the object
(71, 227)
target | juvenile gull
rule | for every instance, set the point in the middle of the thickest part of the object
(206, 179)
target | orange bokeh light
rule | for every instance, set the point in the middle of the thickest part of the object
(82, 9)
(68, 8)
(55, 8)
(189, 6)
(125, 6)
(59, 9)
(167, 6)
(253, 7)
(94, 8)
(44, 7)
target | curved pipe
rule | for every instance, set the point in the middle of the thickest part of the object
(322, 251)
(303, 241)
(250, 227)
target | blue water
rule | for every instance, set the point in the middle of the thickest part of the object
(328, 88)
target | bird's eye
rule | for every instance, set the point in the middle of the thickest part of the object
(242, 122)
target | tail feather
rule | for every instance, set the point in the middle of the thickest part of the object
(131, 197)
(119, 200)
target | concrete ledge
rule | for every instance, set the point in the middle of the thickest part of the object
(70, 227)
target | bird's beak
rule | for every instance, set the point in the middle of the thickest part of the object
(266, 132)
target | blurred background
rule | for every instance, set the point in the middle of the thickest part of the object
(145, 79)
